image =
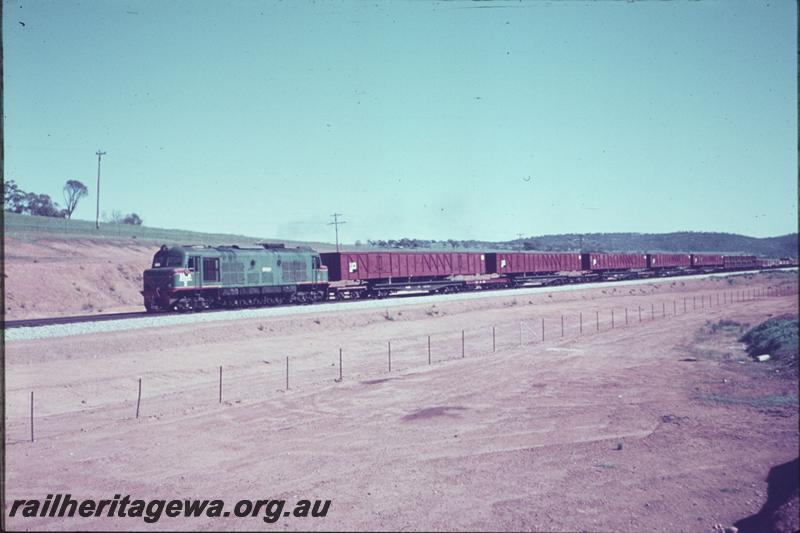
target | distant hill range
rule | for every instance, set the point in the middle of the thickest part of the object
(36, 227)
(684, 241)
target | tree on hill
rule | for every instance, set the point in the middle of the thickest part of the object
(42, 205)
(116, 217)
(74, 190)
(13, 197)
(133, 219)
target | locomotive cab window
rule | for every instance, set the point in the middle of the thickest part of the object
(210, 269)
(166, 259)
(193, 263)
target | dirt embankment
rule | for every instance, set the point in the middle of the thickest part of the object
(72, 277)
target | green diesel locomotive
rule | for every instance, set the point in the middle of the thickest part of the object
(194, 278)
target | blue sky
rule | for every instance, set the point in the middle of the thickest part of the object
(452, 119)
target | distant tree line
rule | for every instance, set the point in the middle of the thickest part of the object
(116, 217)
(407, 243)
(681, 242)
(16, 200)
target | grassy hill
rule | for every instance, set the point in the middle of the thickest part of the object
(32, 228)
(28, 227)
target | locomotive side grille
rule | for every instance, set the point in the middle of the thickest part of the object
(294, 271)
(232, 272)
(233, 278)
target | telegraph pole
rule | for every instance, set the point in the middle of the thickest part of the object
(97, 217)
(336, 223)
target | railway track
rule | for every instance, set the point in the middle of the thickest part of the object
(38, 322)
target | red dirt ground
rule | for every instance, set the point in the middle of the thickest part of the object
(660, 425)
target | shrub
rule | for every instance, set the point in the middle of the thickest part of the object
(777, 337)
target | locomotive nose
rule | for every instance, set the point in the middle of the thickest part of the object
(155, 290)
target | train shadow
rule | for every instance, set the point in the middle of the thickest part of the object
(783, 482)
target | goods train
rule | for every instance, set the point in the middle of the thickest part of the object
(194, 278)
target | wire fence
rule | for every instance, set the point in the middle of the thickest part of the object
(375, 360)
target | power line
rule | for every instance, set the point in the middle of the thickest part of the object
(336, 223)
(99, 154)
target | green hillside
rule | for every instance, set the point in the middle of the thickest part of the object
(35, 227)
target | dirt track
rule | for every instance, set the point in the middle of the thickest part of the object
(525, 438)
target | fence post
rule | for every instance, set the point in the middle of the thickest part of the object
(389, 343)
(340, 364)
(652, 311)
(597, 320)
(220, 383)
(612, 318)
(626, 316)
(462, 344)
(717, 299)
(562, 326)
(640, 312)
(581, 319)
(494, 343)
(139, 398)
(429, 349)
(31, 416)
(520, 334)
(542, 329)
(674, 307)
(663, 309)
(287, 372)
